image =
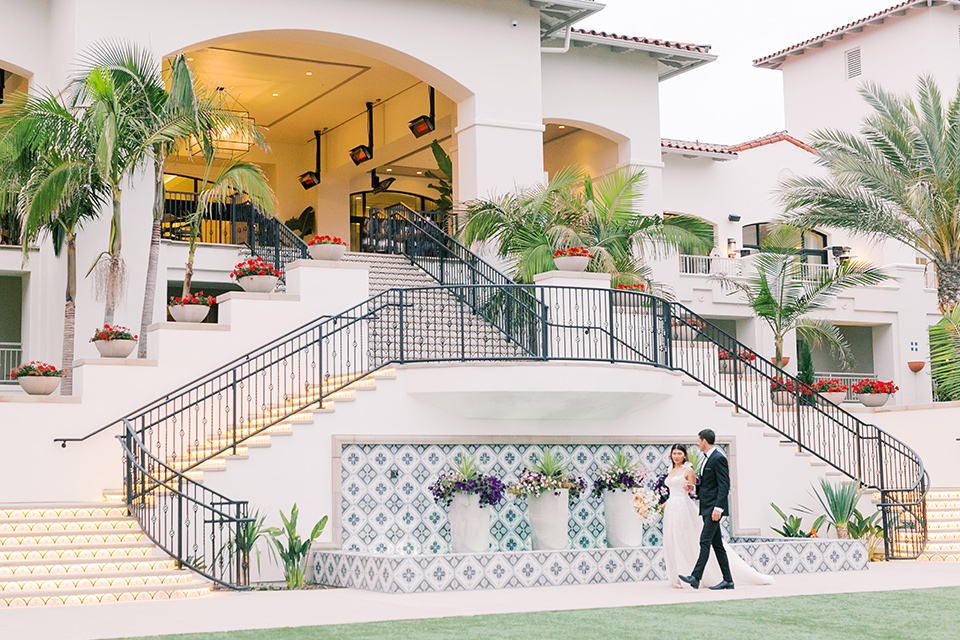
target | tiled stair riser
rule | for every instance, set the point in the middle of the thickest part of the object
(464, 572)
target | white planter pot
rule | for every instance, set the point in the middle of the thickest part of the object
(189, 312)
(115, 348)
(326, 251)
(571, 263)
(39, 385)
(782, 398)
(624, 529)
(469, 524)
(834, 397)
(258, 284)
(684, 332)
(549, 520)
(873, 399)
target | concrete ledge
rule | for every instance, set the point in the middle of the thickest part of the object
(244, 295)
(188, 326)
(115, 362)
(326, 264)
(28, 399)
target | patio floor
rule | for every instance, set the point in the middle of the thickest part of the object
(267, 609)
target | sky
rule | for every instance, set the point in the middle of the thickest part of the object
(728, 100)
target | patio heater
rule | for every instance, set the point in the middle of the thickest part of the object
(310, 179)
(422, 125)
(364, 152)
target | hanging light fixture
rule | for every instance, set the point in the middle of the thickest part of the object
(423, 125)
(310, 179)
(365, 151)
(379, 186)
(228, 139)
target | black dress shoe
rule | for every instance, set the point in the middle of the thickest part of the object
(724, 584)
(694, 582)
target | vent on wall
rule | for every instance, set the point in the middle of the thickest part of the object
(852, 63)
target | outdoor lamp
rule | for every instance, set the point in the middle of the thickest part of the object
(422, 125)
(731, 248)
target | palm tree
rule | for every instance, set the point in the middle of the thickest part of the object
(46, 175)
(898, 178)
(945, 355)
(236, 177)
(782, 291)
(572, 209)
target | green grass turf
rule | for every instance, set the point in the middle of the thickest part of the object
(926, 614)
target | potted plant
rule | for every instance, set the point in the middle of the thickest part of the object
(784, 392)
(548, 485)
(616, 483)
(873, 393)
(833, 391)
(793, 525)
(468, 493)
(193, 307)
(572, 259)
(326, 248)
(839, 502)
(114, 342)
(727, 364)
(37, 378)
(686, 328)
(629, 301)
(256, 276)
(868, 529)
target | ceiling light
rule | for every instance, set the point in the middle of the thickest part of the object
(364, 152)
(562, 126)
(422, 125)
(309, 73)
(389, 170)
(419, 173)
(189, 59)
(357, 198)
(276, 95)
(377, 185)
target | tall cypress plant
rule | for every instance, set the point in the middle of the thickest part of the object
(805, 370)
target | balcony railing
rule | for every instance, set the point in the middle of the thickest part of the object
(723, 266)
(11, 355)
(848, 379)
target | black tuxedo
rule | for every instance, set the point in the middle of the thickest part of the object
(714, 489)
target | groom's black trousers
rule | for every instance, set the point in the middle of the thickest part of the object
(710, 537)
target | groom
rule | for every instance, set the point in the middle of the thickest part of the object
(714, 487)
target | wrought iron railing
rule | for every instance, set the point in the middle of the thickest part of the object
(198, 526)
(232, 220)
(848, 379)
(401, 230)
(219, 413)
(11, 355)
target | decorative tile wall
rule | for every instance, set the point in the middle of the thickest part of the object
(387, 507)
(449, 572)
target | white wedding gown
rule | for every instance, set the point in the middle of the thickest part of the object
(681, 542)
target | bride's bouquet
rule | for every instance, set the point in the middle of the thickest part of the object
(646, 504)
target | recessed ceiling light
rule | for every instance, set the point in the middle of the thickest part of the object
(389, 169)
(189, 59)
(357, 198)
(309, 73)
(276, 95)
(419, 173)
(562, 126)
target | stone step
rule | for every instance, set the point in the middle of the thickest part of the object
(953, 556)
(22, 526)
(60, 552)
(81, 566)
(14, 585)
(104, 595)
(54, 512)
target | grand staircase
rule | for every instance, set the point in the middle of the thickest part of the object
(943, 522)
(53, 555)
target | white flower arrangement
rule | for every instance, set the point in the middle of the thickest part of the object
(646, 504)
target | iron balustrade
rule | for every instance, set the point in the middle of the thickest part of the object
(196, 525)
(11, 355)
(232, 220)
(170, 439)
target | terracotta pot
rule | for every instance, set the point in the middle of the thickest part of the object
(784, 361)
(624, 529)
(571, 263)
(549, 520)
(258, 284)
(873, 399)
(834, 397)
(115, 348)
(469, 524)
(916, 365)
(189, 312)
(39, 385)
(326, 251)
(783, 398)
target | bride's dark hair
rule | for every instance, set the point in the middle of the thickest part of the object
(679, 447)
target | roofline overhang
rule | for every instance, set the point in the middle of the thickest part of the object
(570, 12)
(691, 153)
(675, 60)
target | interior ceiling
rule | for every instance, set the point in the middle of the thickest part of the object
(552, 132)
(339, 84)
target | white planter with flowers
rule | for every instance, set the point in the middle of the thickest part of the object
(616, 483)
(256, 276)
(548, 484)
(573, 259)
(874, 393)
(114, 341)
(193, 307)
(37, 378)
(470, 496)
(834, 397)
(326, 248)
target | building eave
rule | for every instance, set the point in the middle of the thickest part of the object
(557, 15)
(671, 59)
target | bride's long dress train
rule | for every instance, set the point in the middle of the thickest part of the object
(681, 542)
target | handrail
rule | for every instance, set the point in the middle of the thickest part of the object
(211, 518)
(224, 410)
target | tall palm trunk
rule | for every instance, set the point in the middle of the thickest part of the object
(188, 272)
(69, 316)
(113, 285)
(948, 285)
(150, 289)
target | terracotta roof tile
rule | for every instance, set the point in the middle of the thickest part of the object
(670, 44)
(733, 149)
(839, 30)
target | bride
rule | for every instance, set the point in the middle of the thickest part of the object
(681, 530)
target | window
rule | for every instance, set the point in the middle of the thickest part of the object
(813, 244)
(851, 63)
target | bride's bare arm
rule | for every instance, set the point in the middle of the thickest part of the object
(691, 477)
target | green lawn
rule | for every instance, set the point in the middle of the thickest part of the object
(927, 614)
